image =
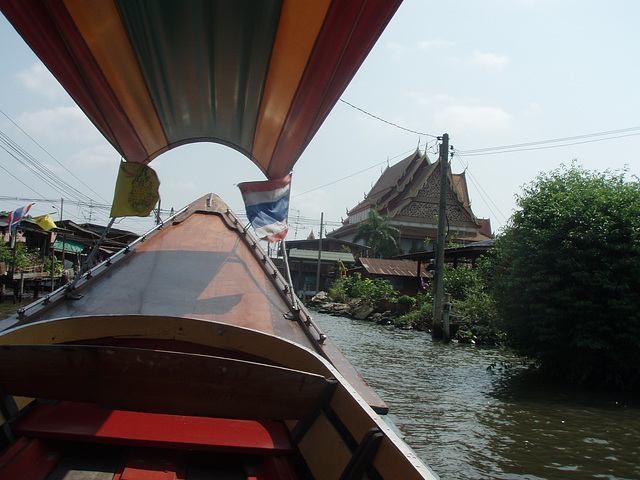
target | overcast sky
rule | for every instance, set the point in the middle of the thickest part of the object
(489, 73)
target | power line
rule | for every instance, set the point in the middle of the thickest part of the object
(521, 147)
(353, 174)
(552, 143)
(483, 194)
(38, 169)
(50, 155)
(19, 180)
(387, 121)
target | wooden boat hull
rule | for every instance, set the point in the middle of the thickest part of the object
(214, 368)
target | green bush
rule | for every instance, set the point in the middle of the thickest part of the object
(566, 276)
(421, 319)
(368, 291)
(468, 292)
(459, 282)
(338, 291)
(406, 303)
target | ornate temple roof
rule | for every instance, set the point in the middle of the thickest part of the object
(410, 188)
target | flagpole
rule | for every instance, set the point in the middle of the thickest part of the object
(51, 240)
(286, 266)
(12, 239)
(87, 264)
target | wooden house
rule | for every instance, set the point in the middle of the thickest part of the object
(405, 276)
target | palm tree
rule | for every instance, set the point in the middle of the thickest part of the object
(378, 234)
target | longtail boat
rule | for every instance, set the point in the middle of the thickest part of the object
(187, 355)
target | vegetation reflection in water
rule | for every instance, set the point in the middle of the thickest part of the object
(475, 413)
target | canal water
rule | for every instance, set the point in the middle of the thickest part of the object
(475, 413)
(8, 307)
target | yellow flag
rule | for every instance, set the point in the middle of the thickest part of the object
(45, 222)
(136, 190)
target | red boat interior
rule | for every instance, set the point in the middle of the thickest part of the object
(73, 441)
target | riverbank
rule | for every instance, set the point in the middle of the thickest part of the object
(355, 310)
(402, 316)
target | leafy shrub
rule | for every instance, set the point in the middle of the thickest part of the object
(421, 319)
(460, 282)
(368, 291)
(406, 303)
(566, 276)
(25, 258)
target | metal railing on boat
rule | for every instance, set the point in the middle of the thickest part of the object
(294, 302)
(289, 295)
(67, 289)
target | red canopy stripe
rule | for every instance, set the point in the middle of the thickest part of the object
(349, 32)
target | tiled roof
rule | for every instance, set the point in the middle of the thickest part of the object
(298, 254)
(396, 268)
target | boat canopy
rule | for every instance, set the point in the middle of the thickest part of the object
(258, 76)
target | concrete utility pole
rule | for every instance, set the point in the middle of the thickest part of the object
(319, 254)
(442, 225)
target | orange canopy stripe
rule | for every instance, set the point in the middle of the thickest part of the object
(300, 23)
(100, 25)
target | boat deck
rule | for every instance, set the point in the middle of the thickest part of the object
(203, 266)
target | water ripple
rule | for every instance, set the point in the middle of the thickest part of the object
(475, 413)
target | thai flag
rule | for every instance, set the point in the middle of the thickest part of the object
(16, 216)
(267, 206)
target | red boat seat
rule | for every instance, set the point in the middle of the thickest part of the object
(89, 423)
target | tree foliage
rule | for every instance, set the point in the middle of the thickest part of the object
(566, 277)
(378, 234)
(26, 258)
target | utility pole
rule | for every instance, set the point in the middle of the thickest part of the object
(437, 330)
(319, 254)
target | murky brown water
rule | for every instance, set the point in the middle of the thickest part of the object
(474, 413)
(8, 308)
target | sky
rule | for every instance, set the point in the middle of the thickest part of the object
(521, 87)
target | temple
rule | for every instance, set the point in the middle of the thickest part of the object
(409, 193)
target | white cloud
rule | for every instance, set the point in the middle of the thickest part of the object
(398, 50)
(38, 79)
(463, 115)
(490, 61)
(99, 157)
(62, 124)
(431, 102)
(534, 110)
(435, 43)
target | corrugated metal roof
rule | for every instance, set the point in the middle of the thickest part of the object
(396, 268)
(299, 254)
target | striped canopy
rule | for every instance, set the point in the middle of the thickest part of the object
(257, 75)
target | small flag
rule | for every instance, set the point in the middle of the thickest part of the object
(267, 206)
(16, 216)
(136, 190)
(45, 222)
